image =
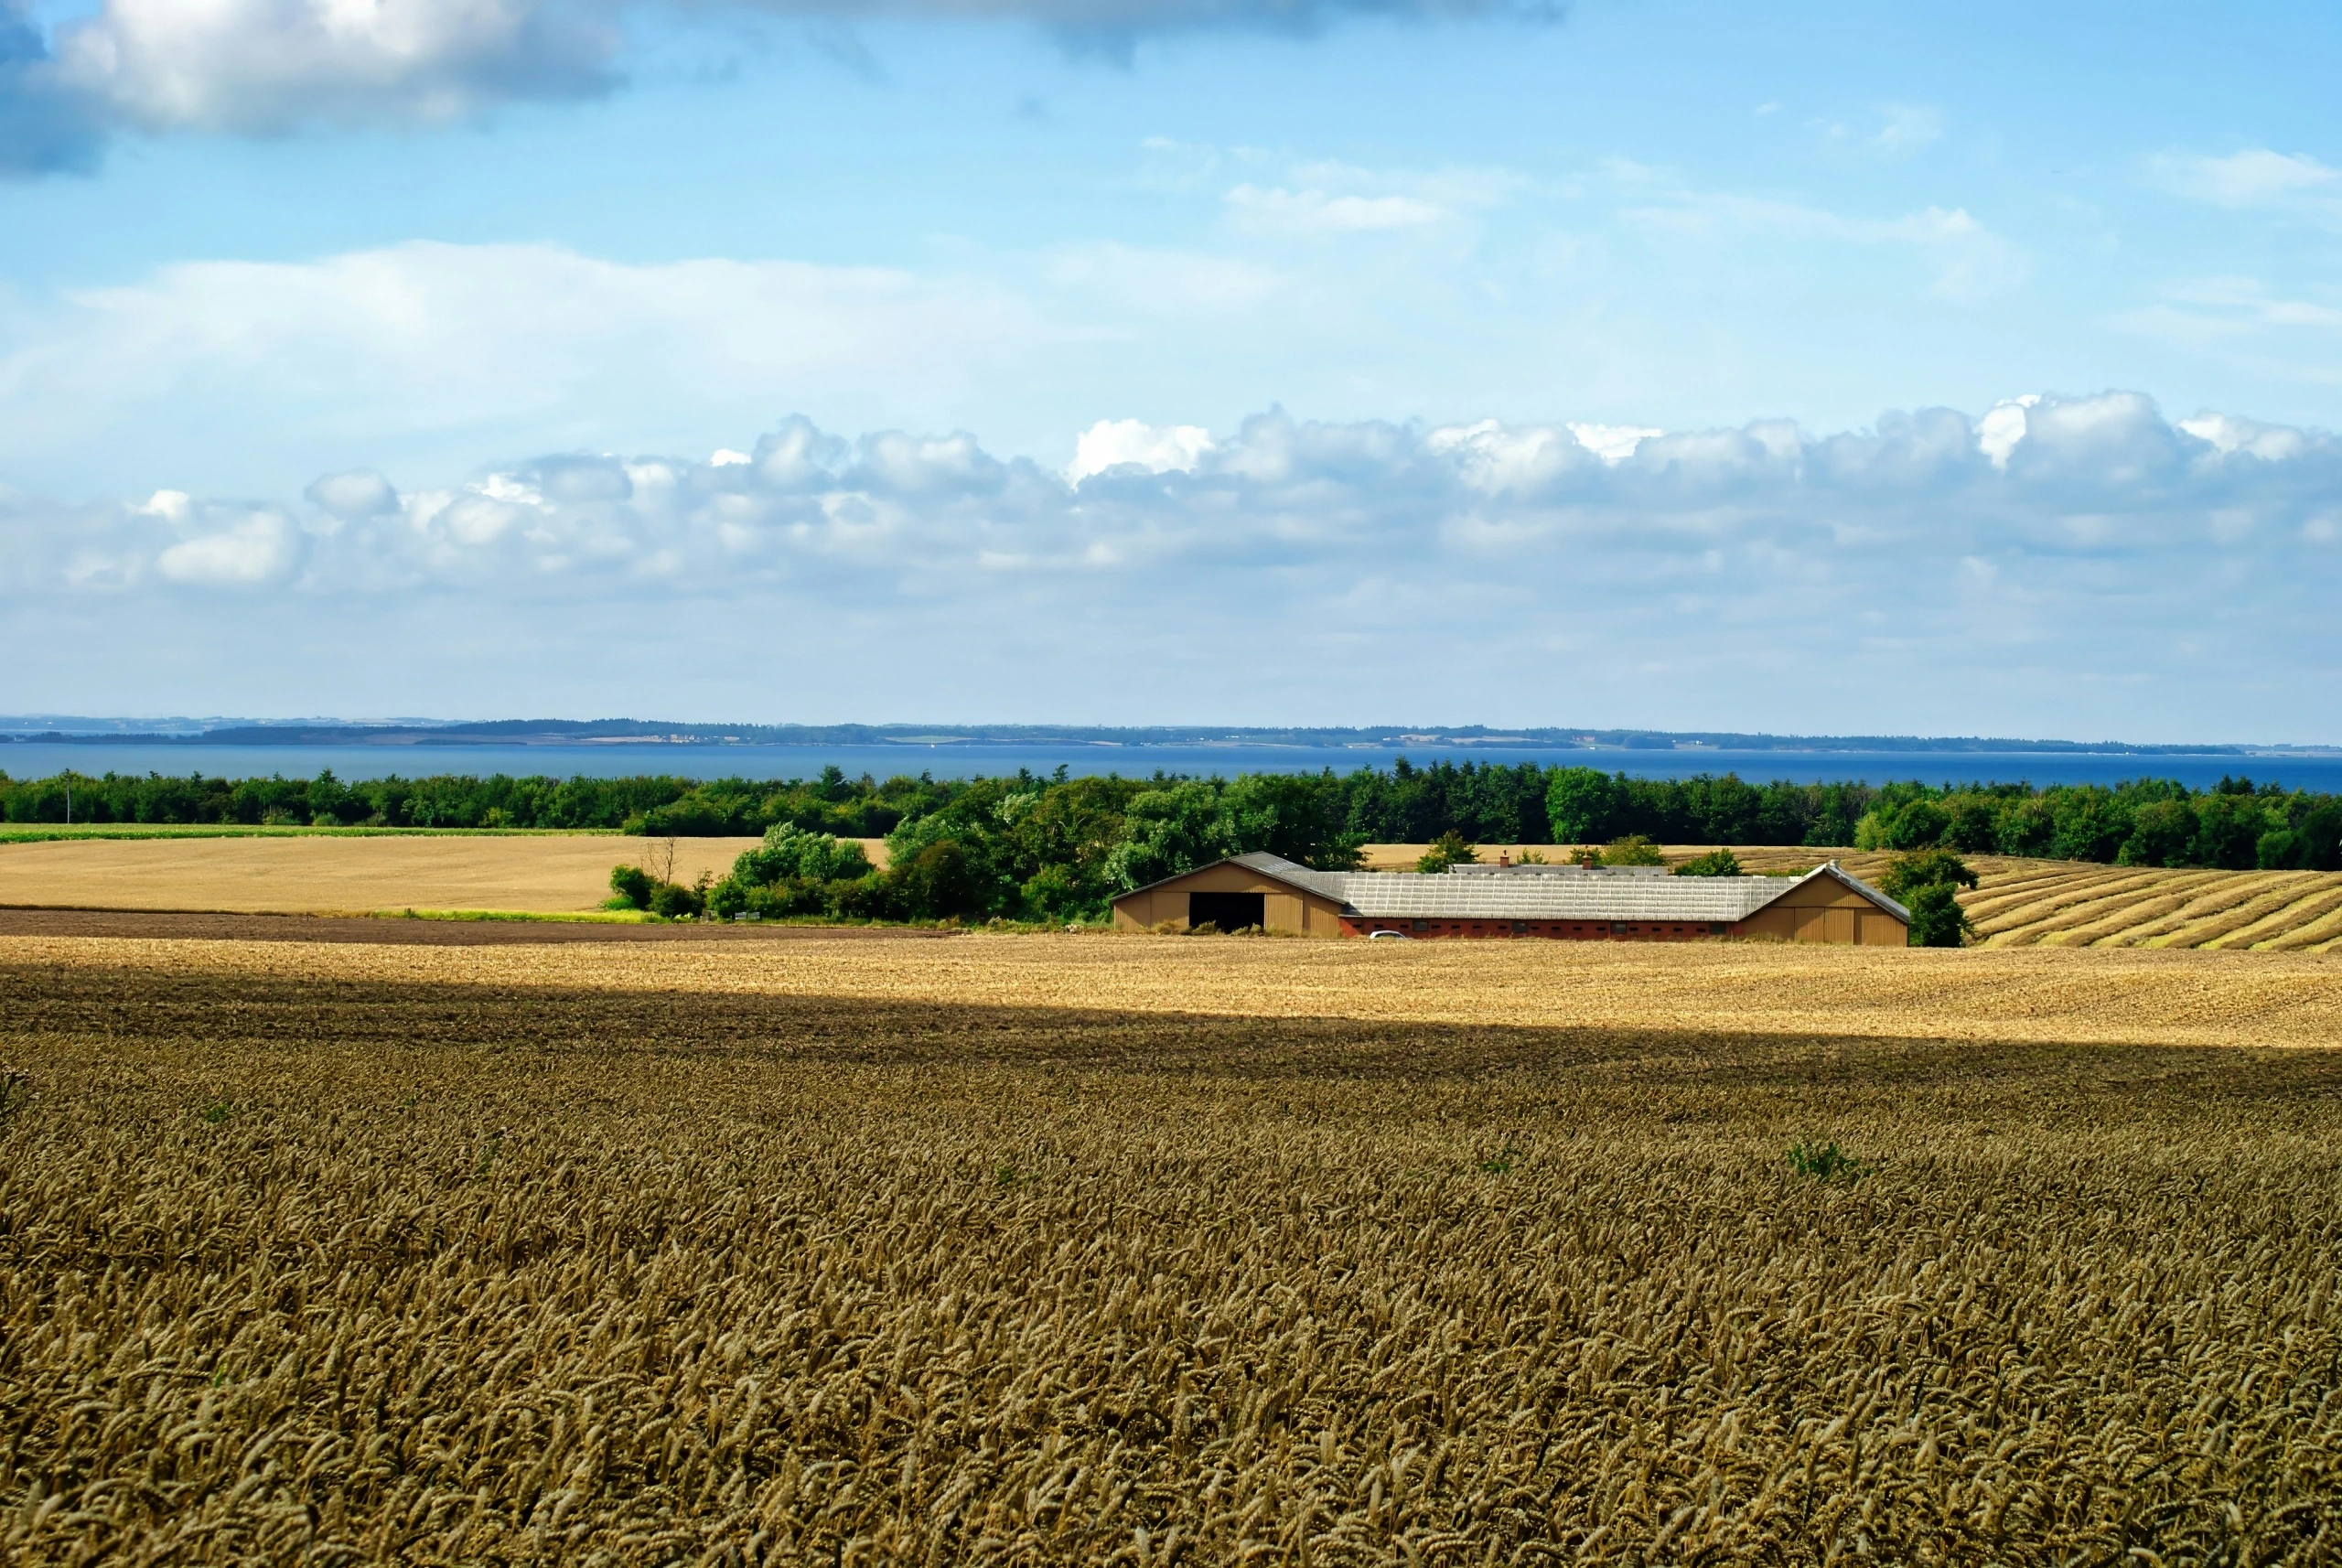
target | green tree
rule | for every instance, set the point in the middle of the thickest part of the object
(1169, 830)
(632, 883)
(1632, 850)
(1584, 805)
(1715, 862)
(1448, 848)
(1937, 919)
(1907, 873)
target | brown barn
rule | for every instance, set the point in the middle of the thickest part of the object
(1556, 902)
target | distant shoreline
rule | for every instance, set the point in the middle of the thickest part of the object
(59, 730)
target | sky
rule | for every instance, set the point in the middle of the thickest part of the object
(1806, 367)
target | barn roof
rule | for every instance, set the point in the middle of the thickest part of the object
(1550, 893)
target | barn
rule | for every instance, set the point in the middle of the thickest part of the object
(1565, 903)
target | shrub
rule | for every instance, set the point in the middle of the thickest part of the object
(1715, 862)
(676, 902)
(1825, 1162)
(1937, 919)
(632, 883)
(1449, 849)
(937, 884)
(1632, 850)
(1907, 873)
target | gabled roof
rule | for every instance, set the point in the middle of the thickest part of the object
(1545, 893)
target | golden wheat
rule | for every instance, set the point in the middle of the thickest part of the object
(635, 1255)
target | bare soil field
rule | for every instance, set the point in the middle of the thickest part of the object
(888, 1250)
(536, 873)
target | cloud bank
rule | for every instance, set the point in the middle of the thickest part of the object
(268, 66)
(2074, 565)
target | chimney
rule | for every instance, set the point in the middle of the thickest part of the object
(1504, 859)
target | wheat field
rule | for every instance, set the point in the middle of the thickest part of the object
(329, 873)
(996, 1251)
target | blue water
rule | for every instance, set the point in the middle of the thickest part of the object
(41, 759)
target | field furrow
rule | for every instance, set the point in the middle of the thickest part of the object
(2306, 936)
(1998, 894)
(2244, 898)
(2018, 926)
(2318, 895)
(2121, 924)
(2085, 921)
(2214, 895)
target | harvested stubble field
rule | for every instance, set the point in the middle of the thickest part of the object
(325, 872)
(777, 1252)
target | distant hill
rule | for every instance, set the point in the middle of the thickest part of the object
(575, 732)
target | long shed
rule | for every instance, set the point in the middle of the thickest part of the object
(1565, 903)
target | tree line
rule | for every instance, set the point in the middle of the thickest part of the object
(1055, 847)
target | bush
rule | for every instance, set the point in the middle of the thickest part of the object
(1907, 873)
(676, 902)
(1715, 862)
(632, 883)
(1449, 849)
(1937, 919)
(938, 884)
(1632, 850)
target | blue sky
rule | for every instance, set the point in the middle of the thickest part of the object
(1116, 331)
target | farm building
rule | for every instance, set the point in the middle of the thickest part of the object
(1561, 902)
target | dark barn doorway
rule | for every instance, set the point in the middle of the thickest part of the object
(1229, 911)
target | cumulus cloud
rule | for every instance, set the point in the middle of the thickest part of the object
(1157, 449)
(266, 67)
(2082, 551)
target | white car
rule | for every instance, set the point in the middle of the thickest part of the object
(1389, 936)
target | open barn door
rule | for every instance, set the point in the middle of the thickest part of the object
(1229, 911)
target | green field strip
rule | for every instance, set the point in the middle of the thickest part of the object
(2255, 896)
(2318, 895)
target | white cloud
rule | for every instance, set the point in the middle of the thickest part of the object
(502, 343)
(2044, 554)
(1613, 443)
(1278, 211)
(2256, 177)
(260, 549)
(266, 67)
(1907, 127)
(2002, 427)
(1158, 450)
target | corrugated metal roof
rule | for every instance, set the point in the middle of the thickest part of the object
(1551, 893)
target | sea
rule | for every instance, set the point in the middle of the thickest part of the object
(2319, 771)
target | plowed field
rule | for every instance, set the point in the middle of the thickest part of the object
(1163, 1250)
